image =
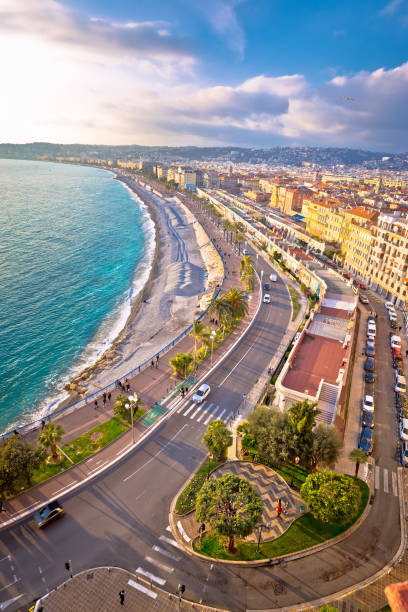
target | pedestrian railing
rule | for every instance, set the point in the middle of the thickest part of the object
(21, 429)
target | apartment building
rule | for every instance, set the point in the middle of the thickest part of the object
(359, 216)
(359, 249)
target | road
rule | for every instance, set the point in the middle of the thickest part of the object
(122, 518)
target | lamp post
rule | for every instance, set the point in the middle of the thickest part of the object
(213, 335)
(260, 527)
(133, 399)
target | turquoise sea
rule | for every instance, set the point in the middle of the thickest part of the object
(75, 244)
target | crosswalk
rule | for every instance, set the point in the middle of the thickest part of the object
(386, 480)
(157, 566)
(205, 412)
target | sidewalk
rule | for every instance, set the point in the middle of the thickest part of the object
(98, 589)
(151, 385)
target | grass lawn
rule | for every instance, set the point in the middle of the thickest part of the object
(289, 471)
(294, 296)
(304, 533)
(186, 500)
(86, 445)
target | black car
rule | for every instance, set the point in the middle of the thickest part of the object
(267, 286)
(366, 442)
(370, 351)
(369, 377)
(363, 299)
(393, 324)
(367, 419)
(369, 364)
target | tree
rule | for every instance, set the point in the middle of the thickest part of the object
(248, 441)
(222, 307)
(238, 301)
(181, 364)
(249, 278)
(273, 434)
(326, 445)
(230, 505)
(245, 264)
(359, 457)
(331, 497)
(302, 417)
(120, 407)
(197, 333)
(49, 437)
(18, 460)
(217, 439)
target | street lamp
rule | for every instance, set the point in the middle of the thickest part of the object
(212, 335)
(260, 527)
(133, 399)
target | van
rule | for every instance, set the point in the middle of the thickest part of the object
(401, 385)
(273, 278)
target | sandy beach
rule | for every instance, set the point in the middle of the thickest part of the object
(185, 267)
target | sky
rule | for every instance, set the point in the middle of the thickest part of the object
(252, 73)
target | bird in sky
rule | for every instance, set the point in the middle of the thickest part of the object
(347, 98)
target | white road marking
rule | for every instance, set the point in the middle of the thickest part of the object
(150, 576)
(183, 533)
(168, 528)
(39, 569)
(229, 417)
(95, 469)
(205, 412)
(377, 477)
(193, 405)
(169, 541)
(142, 588)
(156, 455)
(182, 407)
(11, 583)
(197, 411)
(237, 364)
(5, 604)
(4, 558)
(394, 484)
(165, 568)
(385, 480)
(212, 415)
(166, 553)
(221, 413)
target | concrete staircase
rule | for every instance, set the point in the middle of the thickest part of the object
(327, 403)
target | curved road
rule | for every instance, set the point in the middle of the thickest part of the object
(122, 518)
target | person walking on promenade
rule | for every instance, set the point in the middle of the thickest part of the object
(96, 404)
(127, 388)
(104, 398)
(127, 384)
(157, 361)
(152, 364)
(109, 396)
(122, 597)
(117, 384)
(42, 424)
(279, 508)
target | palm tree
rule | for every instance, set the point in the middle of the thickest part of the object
(221, 306)
(217, 439)
(50, 436)
(238, 301)
(245, 263)
(197, 333)
(358, 456)
(249, 278)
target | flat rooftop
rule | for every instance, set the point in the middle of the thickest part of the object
(316, 357)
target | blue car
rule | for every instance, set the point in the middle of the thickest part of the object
(366, 442)
(370, 351)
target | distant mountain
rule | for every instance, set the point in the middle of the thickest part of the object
(282, 156)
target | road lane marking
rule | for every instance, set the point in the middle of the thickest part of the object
(162, 566)
(211, 416)
(166, 553)
(156, 455)
(197, 411)
(377, 477)
(142, 588)
(169, 541)
(4, 558)
(168, 528)
(183, 533)
(394, 484)
(11, 583)
(229, 417)
(182, 407)
(221, 413)
(205, 412)
(190, 409)
(385, 480)
(150, 576)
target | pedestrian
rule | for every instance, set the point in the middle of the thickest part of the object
(291, 484)
(279, 509)
(269, 371)
(122, 597)
(42, 424)
(127, 383)
(152, 364)
(157, 361)
(109, 396)
(182, 391)
(399, 329)
(128, 387)
(16, 433)
(96, 404)
(117, 384)
(104, 398)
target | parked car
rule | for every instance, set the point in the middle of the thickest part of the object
(202, 392)
(393, 324)
(388, 305)
(401, 385)
(368, 403)
(273, 277)
(393, 317)
(363, 299)
(371, 319)
(369, 377)
(366, 442)
(347, 276)
(371, 337)
(267, 286)
(47, 514)
(404, 453)
(362, 286)
(371, 329)
(267, 298)
(396, 354)
(369, 364)
(245, 252)
(404, 429)
(370, 351)
(395, 342)
(371, 342)
(367, 419)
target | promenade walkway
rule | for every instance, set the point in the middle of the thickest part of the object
(151, 385)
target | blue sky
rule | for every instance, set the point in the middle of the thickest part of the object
(240, 72)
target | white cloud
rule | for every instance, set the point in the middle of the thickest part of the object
(391, 7)
(222, 17)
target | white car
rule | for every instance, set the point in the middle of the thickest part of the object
(371, 329)
(368, 403)
(395, 342)
(245, 252)
(389, 305)
(201, 393)
(392, 316)
(273, 278)
(401, 385)
(404, 453)
(370, 342)
(404, 429)
(267, 298)
(371, 337)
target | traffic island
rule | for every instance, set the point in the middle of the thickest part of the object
(291, 532)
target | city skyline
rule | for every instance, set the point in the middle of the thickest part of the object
(228, 72)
